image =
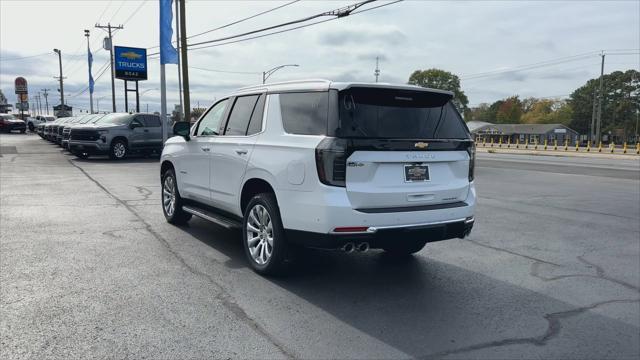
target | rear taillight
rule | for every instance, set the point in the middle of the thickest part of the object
(331, 161)
(472, 160)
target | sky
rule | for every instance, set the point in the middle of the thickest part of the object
(498, 48)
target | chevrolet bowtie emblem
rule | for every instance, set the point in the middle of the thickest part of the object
(131, 55)
(421, 145)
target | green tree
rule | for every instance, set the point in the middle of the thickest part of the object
(509, 111)
(547, 111)
(443, 80)
(620, 102)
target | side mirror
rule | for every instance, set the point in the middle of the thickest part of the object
(181, 128)
(134, 125)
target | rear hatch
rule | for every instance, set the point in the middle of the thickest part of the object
(401, 149)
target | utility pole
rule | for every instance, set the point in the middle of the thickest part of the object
(180, 115)
(184, 62)
(377, 72)
(39, 103)
(601, 95)
(113, 74)
(89, 59)
(592, 129)
(46, 101)
(59, 52)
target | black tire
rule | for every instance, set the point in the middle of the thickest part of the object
(118, 150)
(178, 216)
(81, 155)
(31, 127)
(23, 131)
(404, 248)
(277, 261)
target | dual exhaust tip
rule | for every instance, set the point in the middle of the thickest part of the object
(351, 247)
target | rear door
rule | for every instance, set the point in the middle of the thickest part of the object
(153, 131)
(232, 150)
(407, 149)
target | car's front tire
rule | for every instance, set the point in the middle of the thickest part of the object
(263, 235)
(401, 248)
(171, 200)
(118, 150)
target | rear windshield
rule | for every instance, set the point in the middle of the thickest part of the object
(397, 114)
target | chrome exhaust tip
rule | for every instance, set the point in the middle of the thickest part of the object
(363, 247)
(348, 247)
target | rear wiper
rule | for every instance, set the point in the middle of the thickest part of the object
(437, 128)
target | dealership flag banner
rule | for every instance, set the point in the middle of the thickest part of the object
(168, 54)
(90, 60)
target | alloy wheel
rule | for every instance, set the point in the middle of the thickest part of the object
(260, 234)
(169, 195)
(119, 150)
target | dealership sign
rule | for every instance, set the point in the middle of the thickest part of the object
(130, 63)
(21, 85)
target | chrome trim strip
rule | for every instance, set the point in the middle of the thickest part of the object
(373, 229)
(202, 215)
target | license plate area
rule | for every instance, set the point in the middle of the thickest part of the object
(416, 173)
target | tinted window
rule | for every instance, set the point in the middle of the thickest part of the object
(255, 126)
(400, 114)
(118, 119)
(305, 113)
(151, 121)
(210, 122)
(240, 115)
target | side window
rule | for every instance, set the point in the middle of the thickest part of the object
(305, 113)
(136, 123)
(151, 121)
(211, 121)
(255, 125)
(241, 115)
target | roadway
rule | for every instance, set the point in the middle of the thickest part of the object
(90, 268)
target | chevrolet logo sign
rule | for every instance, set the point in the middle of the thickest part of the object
(421, 145)
(131, 55)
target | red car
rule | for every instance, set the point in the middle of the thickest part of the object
(9, 122)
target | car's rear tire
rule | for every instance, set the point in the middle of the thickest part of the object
(263, 235)
(118, 150)
(31, 127)
(401, 248)
(171, 200)
(23, 131)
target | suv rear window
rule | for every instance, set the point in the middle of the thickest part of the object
(305, 113)
(397, 114)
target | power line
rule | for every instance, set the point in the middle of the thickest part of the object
(117, 11)
(226, 71)
(25, 57)
(154, 55)
(234, 22)
(338, 13)
(104, 11)
(243, 19)
(135, 12)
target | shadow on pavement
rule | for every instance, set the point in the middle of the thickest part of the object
(426, 308)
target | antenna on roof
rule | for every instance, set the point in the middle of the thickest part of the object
(377, 72)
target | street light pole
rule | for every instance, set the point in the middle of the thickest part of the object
(266, 74)
(59, 52)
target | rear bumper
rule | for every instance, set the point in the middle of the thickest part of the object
(13, 127)
(381, 237)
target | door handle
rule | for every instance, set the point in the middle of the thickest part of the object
(205, 149)
(145, 130)
(241, 151)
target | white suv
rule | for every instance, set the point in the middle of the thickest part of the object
(323, 164)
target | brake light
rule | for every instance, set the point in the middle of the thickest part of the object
(472, 161)
(331, 161)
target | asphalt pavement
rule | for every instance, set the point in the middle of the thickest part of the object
(89, 268)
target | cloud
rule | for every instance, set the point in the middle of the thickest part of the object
(360, 35)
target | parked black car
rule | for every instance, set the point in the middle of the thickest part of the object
(9, 122)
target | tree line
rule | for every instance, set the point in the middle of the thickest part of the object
(620, 103)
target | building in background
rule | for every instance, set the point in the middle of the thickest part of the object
(531, 133)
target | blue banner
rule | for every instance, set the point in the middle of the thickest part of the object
(168, 54)
(90, 59)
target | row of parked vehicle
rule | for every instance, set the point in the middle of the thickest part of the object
(116, 134)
